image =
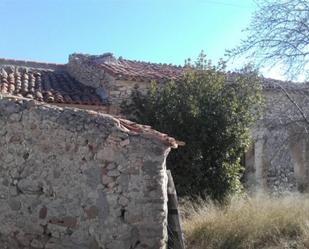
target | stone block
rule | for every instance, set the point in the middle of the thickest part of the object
(107, 179)
(14, 204)
(113, 173)
(37, 244)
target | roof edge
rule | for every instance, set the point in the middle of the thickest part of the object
(32, 64)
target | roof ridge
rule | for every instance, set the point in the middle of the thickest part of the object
(149, 62)
(30, 63)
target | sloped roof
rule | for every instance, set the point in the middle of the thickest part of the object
(52, 86)
(140, 71)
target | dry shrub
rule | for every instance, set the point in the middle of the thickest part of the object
(258, 222)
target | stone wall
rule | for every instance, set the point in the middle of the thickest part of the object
(278, 159)
(121, 90)
(84, 69)
(86, 72)
(78, 179)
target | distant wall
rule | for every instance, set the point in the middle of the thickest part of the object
(78, 179)
(278, 159)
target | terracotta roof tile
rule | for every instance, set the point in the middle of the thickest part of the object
(134, 70)
(148, 131)
(145, 72)
(46, 85)
(142, 71)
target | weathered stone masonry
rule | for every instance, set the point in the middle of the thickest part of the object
(117, 78)
(78, 179)
(278, 160)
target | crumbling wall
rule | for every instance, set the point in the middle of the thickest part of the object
(78, 179)
(82, 68)
(86, 69)
(278, 160)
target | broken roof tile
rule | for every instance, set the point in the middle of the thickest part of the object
(148, 131)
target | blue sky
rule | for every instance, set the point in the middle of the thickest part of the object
(167, 31)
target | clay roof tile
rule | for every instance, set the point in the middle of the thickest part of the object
(142, 71)
(46, 85)
(148, 131)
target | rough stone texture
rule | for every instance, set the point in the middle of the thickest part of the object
(278, 160)
(93, 75)
(121, 90)
(87, 73)
(78, 179)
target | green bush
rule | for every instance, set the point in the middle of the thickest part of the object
(212, 116)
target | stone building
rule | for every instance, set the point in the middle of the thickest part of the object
(116, 78)
(75, 177)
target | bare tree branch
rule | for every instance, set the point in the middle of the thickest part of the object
(294, 103)
(278, 34)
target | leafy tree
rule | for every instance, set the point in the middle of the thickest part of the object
(211, 115)
(278, 35)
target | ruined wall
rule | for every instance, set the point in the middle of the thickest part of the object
(78, 179)
(278, 159)
(84, 69)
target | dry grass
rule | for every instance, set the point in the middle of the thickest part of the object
(259, 222)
